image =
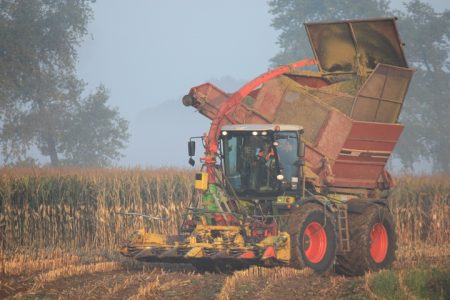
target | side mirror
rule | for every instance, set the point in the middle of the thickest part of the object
(191, 148)
(191, 161)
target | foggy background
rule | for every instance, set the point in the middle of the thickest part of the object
(150, 53)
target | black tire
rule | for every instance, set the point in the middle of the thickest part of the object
(360, 259)
(300, 222)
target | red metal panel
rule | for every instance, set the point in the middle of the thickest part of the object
(381, 97)
(333, 134)
(365, 154)
(373, 136)
(207, 99)
(269, 99)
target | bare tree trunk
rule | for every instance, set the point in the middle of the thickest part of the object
(47, 134)
(52, 151)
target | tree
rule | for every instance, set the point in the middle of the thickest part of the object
(41, 98)
(39, 40)
(95, 132)
(427, 106)
(427, 109)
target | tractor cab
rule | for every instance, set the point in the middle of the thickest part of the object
(262, 160)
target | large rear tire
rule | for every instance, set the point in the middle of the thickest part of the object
(372, 242)
(313, 238)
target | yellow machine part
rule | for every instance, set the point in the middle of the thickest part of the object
(281, 244)
(201, 181)
(285, 199)
(230, 238)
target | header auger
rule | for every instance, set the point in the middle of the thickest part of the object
(294, 165)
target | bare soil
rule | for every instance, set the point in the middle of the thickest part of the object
(166, 281)
(176, 282)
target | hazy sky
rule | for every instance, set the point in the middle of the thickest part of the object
(147, 52)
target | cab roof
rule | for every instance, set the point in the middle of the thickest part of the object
(262, 127)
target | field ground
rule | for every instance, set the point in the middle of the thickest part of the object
(108, 276)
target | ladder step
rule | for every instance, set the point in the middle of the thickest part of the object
(342, 216)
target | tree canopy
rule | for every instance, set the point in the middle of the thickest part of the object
(426, 33)
(427, 108)
(41, 99)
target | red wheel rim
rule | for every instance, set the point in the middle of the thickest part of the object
(315, 242)
(379, 242)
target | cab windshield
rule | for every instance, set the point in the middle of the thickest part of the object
(252, 162)
(287, 151)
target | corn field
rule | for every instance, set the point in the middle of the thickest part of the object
(421, 209)
(84, 208)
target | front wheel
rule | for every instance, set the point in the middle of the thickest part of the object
(313, 238)
(372, 242)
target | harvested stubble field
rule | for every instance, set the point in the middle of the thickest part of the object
(59, 232)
